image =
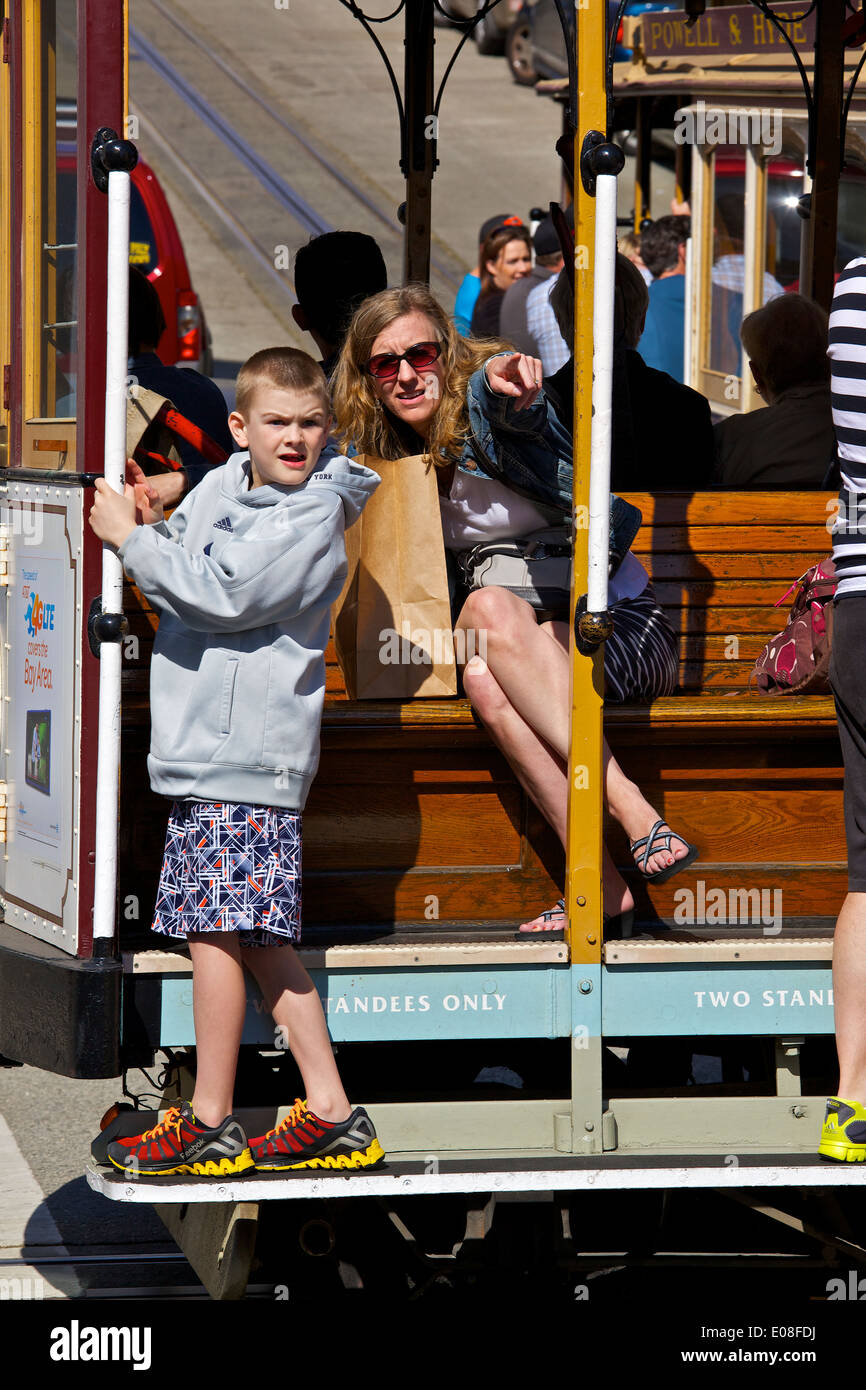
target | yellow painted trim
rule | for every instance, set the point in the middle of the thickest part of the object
(31, 206)
(583, 851)
(698, 265)
(6, 259)
(756, 229)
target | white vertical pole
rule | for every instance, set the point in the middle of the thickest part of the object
(602, 392)
(117, 354)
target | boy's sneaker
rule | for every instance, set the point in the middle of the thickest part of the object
(844, 1134)
(181, 1144)
(302, 1140)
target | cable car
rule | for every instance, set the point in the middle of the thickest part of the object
(409, 934)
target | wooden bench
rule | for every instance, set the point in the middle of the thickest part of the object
(755, 782)
(416, 820)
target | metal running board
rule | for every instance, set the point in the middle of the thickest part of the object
(409, 1177)
(376, 955)
(686, 950)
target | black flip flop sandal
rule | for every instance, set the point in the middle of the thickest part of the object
(653, 848)
(547, 915)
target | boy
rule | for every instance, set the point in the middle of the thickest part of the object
(244, 575)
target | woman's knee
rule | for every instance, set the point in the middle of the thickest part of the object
(495, 615)
(558, 630)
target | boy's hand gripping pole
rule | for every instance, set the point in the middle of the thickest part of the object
(111, 162)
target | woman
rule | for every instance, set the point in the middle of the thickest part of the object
(505, 257)
(406, 383)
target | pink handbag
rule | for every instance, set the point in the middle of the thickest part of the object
(796, 661)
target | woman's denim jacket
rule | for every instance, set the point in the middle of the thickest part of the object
(531, 452)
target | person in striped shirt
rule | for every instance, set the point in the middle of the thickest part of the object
(844, 1133)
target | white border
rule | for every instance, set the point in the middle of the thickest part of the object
(394, 1183)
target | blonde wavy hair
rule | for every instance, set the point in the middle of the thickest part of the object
(363, 422)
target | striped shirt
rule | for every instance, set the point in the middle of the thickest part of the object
(847, 353)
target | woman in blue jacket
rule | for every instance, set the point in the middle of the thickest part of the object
(407, 383)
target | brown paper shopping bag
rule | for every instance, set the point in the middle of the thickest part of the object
(392, 621)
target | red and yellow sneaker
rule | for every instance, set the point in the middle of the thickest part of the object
(181, 1144)
(303, 1140)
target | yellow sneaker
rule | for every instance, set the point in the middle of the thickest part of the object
(844, 1134)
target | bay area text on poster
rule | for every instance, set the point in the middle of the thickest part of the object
(37, 681)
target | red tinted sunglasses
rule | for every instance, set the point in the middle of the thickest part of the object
(385, 365)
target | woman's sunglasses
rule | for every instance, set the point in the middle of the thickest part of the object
(386, 365)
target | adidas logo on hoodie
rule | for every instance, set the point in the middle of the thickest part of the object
(224, 525)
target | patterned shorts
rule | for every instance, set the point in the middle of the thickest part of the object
(230, 867)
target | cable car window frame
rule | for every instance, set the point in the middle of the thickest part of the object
(729, 393)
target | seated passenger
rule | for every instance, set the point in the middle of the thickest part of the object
(662, 430)
(407, 383)
(470, 286)
(334, 273)
(663, 251)
(628, 245)
(195, 396)
(505, 258)
(790, 444)
(513, 323)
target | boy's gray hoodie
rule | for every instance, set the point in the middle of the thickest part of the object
(243, 582)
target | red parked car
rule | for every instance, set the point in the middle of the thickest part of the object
(156, 249)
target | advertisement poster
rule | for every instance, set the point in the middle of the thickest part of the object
(37, 683)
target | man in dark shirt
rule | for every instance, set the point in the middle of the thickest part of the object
(662, 430)
(334, 274)
(195, 396)
(791, 443)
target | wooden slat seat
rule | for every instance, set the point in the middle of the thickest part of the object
(754, 782)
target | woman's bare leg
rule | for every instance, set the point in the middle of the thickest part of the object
(540, 772)
(849, 980)
(625, 800)
(530, 664)
(219, 1005)
(291, 996)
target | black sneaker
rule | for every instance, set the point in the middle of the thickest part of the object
(181, 1144)
(303, 1140)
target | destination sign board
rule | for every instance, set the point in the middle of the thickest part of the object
(734, 29)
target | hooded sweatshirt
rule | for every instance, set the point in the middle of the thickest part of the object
(244, 581)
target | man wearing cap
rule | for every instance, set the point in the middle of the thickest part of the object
(470, 289)
(512, 314)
